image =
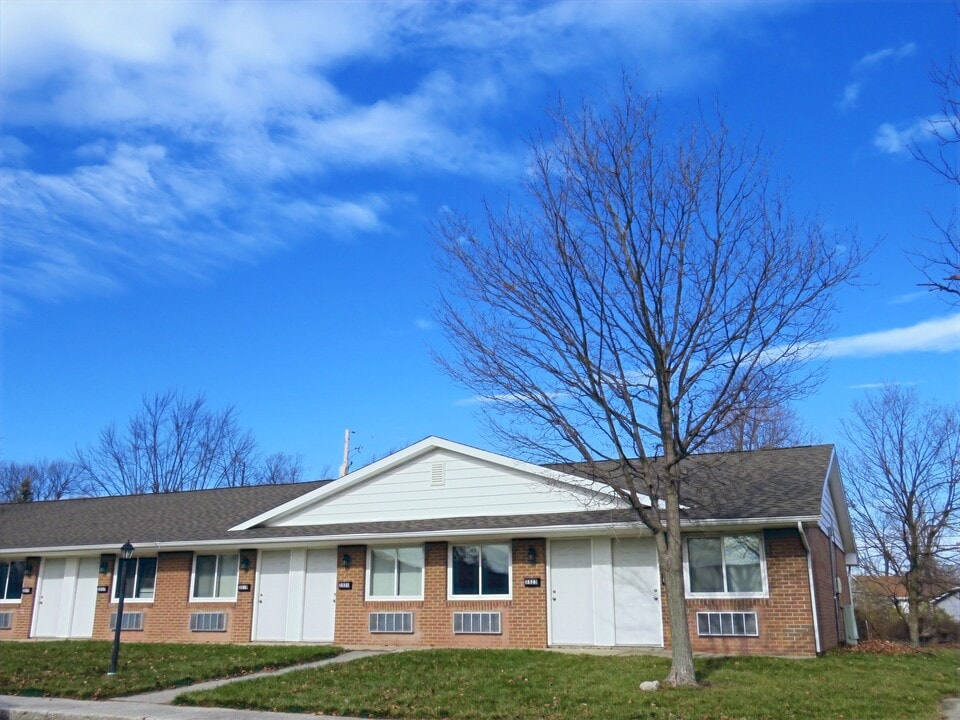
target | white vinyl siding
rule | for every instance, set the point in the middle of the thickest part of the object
(468, 488)
(215, 577)
(140, 581)
(725, 566)
(395, 573)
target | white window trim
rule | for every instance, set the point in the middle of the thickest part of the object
(3, 591)
(368, 584)
(215, 598)
(479, 596)
(116, 576)
(764, 593)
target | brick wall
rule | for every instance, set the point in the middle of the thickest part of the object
(167, 618)
(784, 618)
(23, 610)
(831, 626)
(523, 618)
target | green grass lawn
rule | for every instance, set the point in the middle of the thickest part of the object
(77, 669)
(464, 684)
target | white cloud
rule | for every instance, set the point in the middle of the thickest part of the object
(940, 335)
(209, 133)
(895, 140)
(908, 297)
(878, 385)
(873, 59)
(423, 324)
(851, 96)
(864, 67)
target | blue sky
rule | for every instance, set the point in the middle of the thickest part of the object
(235, 198)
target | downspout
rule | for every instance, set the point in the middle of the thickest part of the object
(813, 592)
(833, 584)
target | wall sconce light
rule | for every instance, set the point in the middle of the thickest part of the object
(532, 555)
(28, 569)
(244, 563)
(346, 560)
(104, 565)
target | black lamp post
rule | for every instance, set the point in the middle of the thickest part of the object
(126, 552)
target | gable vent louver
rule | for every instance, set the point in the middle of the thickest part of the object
(438, 474)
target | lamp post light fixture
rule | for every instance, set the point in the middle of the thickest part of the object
(126, 552)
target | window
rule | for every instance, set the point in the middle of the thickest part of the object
(727, 623)
(215, 577)
(11, 580)
(396, 572)
(208, 622)
(140, 580)
(391, 622)
(729, 565)
(476, 623)
(480, 570)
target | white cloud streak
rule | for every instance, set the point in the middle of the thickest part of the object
(939, 335)
(864, 67)
(191, 135)
(873, 59)
(897, 140)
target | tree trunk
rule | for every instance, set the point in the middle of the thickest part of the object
(671, 563)
(913, 623)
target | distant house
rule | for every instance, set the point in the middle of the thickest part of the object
(949, 602)
(883, 589)
(441, 544)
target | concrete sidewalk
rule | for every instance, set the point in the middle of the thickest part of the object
(155, 705)
(163, 697)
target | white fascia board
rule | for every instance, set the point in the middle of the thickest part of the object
(173, 546)
(840, 507)
(593, 529)
(428, 444)
(741, 523)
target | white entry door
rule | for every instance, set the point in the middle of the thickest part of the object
(320, 596)
(272, 594)
(636, 592)
(571, 592)
(66, 598)
(296, 595)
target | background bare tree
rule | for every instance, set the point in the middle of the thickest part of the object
(176, 443)
(280, 468)
(903, 468)
(41, 480)
(760, 428)
(653, 285)
(941, 264)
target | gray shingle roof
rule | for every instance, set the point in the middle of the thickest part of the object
(779, 483)
(171, 517)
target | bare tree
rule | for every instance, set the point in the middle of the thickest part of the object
(760, 428)
(176, 443)
(941, 264)
(280, 468)
(651, 286)
(41, 480)
(904, 471)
